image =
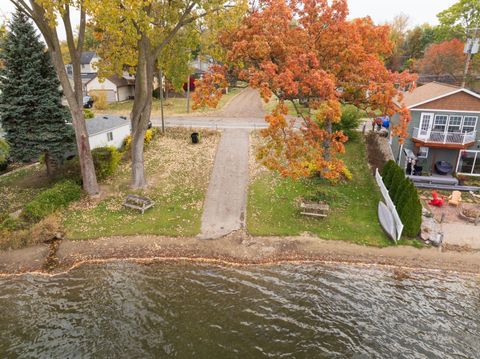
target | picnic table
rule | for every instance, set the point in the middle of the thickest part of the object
(139, 203)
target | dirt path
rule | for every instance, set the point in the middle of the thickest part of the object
(247, 104)
(224, 208)
(237, 248)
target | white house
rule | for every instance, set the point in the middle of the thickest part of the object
(115, 88)
(87, 62)
(108, 131)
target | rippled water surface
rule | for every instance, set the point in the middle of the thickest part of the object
(182, 310)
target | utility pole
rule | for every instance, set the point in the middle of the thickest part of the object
(471, 48)
(188, 94)
(160, 76)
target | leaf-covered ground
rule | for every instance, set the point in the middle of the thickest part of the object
(19, 187)
(178, 174)
(273, 209)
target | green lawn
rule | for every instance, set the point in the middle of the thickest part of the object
(272, 208)
(172, 106)
(178, 174)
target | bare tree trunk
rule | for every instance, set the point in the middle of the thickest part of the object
(327, 141)
(75, 102)
(142, 106)
(48, 164)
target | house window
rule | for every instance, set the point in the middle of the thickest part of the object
(110, 136)
(440, 123)
(469, 163)
(469, 124)
(455, 124)
(422, 152)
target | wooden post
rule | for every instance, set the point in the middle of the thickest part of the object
(188, 94)
(160, 75)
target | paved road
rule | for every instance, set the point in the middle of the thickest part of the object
(247, 104)
(212, 122)
(224, 208)
(244, 111)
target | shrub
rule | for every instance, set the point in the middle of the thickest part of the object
(4, 153)
(349, 121)
(397, 179)
(387, 168)
(9, 223)
(48, 201)
(411, 216)
(389, 176)
(149, 136)
(88, 114)
(404, 184)
(403, 198)
(99, 100)
(106, 160)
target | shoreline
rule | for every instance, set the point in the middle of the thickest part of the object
(236, 249)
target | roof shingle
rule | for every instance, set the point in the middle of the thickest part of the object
(428, 92)
(101, 124)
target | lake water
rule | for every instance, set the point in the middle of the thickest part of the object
(184, 310)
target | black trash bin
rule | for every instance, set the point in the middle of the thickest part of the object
(195, 137)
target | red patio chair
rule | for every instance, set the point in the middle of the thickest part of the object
(436, 200)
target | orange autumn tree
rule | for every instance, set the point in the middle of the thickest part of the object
(308, 52)
(447, 57)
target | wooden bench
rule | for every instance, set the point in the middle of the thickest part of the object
(314, 209)
(139, 203)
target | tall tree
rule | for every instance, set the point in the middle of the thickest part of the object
(416, 41)
(308, 52)
(46, 14)
(134, 33)
(458, 19)
(398, 32)
(446, 58)
(31, 111)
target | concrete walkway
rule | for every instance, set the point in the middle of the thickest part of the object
(225, 203)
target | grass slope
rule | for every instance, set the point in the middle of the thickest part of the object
(272, 208)
(178, 174)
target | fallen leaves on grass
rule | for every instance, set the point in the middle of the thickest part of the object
(177, 172)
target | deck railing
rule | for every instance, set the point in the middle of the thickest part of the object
(444, 137)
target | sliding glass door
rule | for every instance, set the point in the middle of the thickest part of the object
(469, 163)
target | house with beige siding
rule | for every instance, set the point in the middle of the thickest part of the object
(115, 88)
(443, 132)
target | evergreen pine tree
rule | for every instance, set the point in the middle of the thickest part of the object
(397, 179)
(411, 216)
(32, 115)
(387, 168)
(387, 180)
(408, 192)
(401, 190)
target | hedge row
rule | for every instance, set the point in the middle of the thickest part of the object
(48, 201)
(405, 197)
